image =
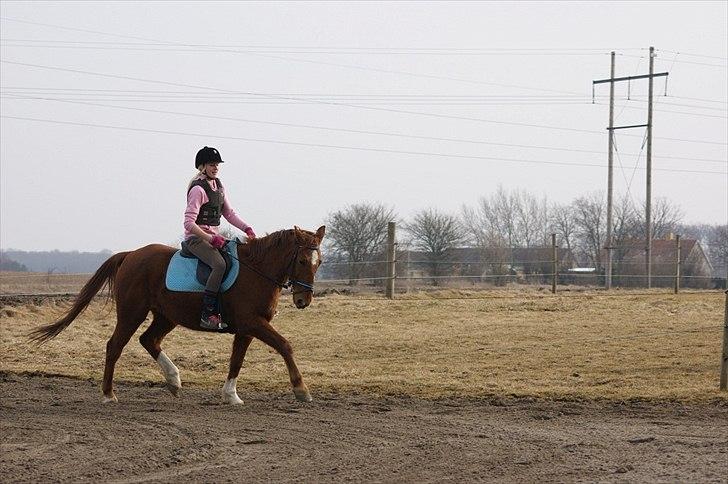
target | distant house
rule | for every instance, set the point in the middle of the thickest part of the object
(629, 264)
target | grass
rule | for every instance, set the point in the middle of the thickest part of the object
(40, 282)
(593, 345)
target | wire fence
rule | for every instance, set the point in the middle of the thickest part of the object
(466, 268)
(505, 266)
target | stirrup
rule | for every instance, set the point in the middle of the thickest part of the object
(213, 321)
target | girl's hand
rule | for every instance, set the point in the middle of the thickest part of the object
(217, 241)
(250, 233)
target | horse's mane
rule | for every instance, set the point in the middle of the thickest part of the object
(256, 250)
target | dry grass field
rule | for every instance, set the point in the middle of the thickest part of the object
(40, 283)
(451, 343)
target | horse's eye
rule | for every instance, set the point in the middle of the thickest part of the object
(302, 262)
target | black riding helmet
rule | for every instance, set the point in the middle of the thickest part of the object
(207, 155)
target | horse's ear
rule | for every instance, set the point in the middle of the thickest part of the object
(320, 232)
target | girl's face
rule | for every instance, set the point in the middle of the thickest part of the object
(211, 170)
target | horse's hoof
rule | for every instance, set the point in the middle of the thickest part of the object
(111, 399)
(232, 399)
(302, 395)
(174, 390)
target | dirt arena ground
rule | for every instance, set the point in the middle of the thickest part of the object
(432, 387)
(54, 429)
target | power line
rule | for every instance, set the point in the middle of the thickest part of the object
(701, 115)
(371, 108)
(634, 171)
(352, 148)
(664, 103)
(305, 47)
(682, 61)
(213, 100)
(694, 55)
(298, 94)
(177, 84)
(349, 66)
(217, 99)
(206, 48)
(328, 128)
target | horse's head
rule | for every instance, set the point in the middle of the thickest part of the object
(305, 263)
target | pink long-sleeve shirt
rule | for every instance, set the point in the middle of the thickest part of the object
(196, 198)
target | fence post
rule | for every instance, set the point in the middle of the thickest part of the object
(724, 361)
(677, 264)
(391, 269)
(555, 261)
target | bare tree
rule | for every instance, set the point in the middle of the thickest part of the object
(435, 233)
(666, 218)
(626, 230)
(562, 224)
(357, 233)
(626, 222)
(494, 218)
(516, 217)
(700, 232)
(590, 221)
(531, 219)
(718, 251)
(501, 211)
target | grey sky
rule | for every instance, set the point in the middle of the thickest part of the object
(73, 186)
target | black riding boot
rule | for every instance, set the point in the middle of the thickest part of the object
(211, 318)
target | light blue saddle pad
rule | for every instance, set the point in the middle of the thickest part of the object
(182, 272)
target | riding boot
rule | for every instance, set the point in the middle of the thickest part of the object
(211, 318)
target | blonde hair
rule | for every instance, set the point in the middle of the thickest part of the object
(200, 172)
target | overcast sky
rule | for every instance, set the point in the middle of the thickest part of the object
(315, 106)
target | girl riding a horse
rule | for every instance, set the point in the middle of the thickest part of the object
(206, 202)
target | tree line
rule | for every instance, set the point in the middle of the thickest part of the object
(509, 219)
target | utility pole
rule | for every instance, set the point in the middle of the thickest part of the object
(391, 259)
(610, 130)
(648, 192)
(610, 179)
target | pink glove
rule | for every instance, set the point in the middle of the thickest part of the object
(217, 241)
(250, 233)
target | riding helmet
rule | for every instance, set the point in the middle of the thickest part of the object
(207, 155)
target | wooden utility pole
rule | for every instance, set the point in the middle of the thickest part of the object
(555, 264)
(391, 252)
(677, 264)
(648, 192)
(648, 205)
(610, 179)
(724, 360)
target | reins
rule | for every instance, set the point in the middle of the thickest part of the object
(289, 282)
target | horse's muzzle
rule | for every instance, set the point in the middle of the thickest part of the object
(301, 302)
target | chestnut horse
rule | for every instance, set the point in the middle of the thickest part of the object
(136, 280)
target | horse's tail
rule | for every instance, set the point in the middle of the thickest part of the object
(105, 275)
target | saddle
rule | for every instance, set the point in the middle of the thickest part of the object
(187, 273)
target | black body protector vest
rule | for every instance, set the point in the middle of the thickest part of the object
(209, 212)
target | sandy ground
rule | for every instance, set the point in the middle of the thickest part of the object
(55, 429)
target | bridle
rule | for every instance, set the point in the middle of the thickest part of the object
(288, 281)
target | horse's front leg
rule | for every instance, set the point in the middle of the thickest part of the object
(268, 335)
(240, 347)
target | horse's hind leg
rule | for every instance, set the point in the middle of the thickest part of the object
(127, 322)
(240, 347)
(151, 340)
